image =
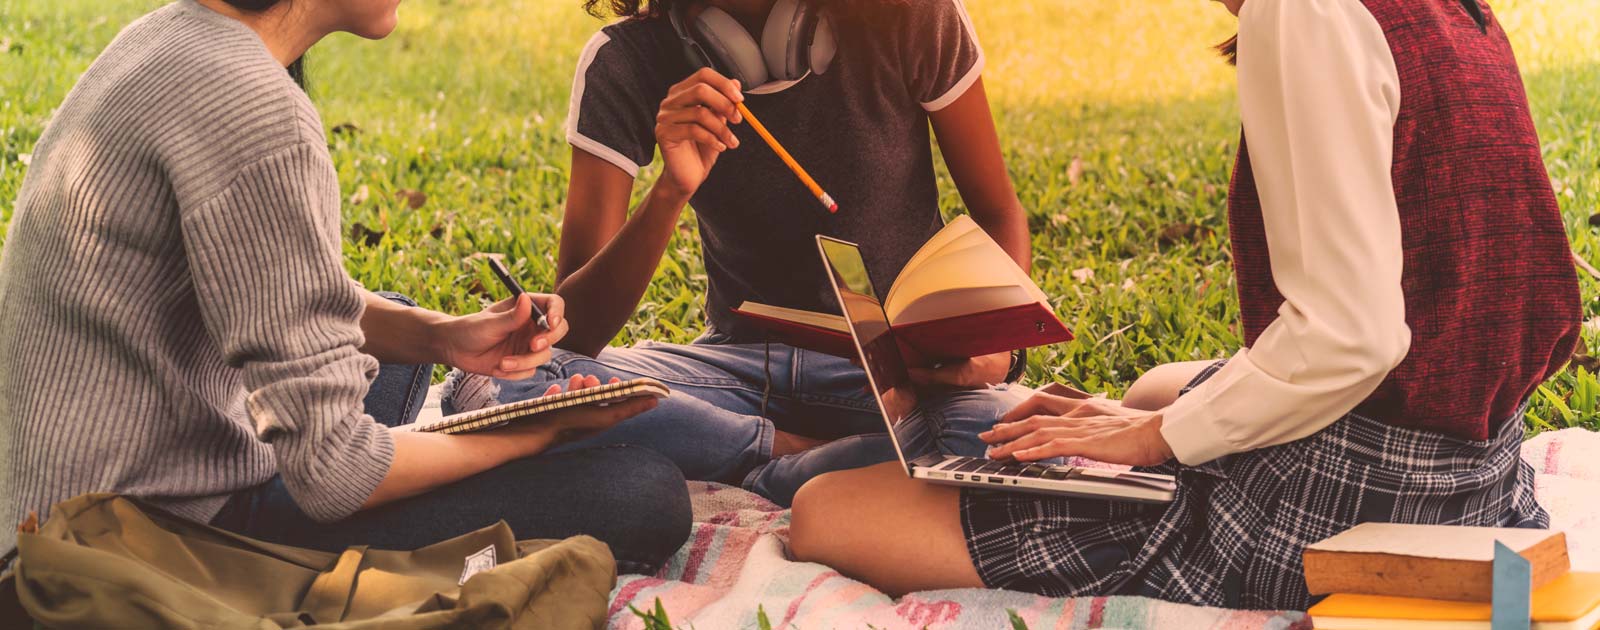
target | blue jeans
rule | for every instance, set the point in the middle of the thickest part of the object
(719, 423)
(632, 499)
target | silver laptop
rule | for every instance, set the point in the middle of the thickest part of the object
(916, 441)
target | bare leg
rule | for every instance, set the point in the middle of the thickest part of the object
(879, 526)
(785, 443)
(1159, 387)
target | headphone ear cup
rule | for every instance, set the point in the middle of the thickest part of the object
(733, 51)
(823, 47)
(785, 38)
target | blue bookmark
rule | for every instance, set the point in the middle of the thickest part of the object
(1513, 590)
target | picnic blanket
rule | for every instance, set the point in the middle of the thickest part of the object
(735, 564)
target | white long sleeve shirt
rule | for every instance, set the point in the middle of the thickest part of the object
(1319, 94)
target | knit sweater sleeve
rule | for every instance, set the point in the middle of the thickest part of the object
(265, 256)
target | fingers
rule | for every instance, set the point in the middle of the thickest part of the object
(1058, 447)
(542, 340)
(552, 390)
(1039, 404)
(512, 314)
(1007, 431)
(1028, 441)
(521, 366)
(699, 110)
(630, 408)
(555, 308)
(701, 118)
(590, 420)
(707, 88)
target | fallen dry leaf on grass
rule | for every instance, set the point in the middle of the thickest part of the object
(360, 233)
(1183, 233)
(1075, 171)
(1083, 274)
(414, 198)
(446, 224)
(360, 196)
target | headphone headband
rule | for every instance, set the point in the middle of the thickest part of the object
(795, 41)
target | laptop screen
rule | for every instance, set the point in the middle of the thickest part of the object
(914, 438)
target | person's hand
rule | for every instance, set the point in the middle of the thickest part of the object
(1047, 426)
(973, 373)
(504, 340)
(692, 129)
(576, 423)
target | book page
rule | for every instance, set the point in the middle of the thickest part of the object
(960, 257)
(957, 228)
(1443, 542)
(958, 302)
(963, 265)
(808, 318)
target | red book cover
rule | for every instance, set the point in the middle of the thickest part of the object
(800, 335)
(989, 332)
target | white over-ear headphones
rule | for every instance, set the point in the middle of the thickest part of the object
(796, 40)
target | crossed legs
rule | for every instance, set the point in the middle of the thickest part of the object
(902, 535)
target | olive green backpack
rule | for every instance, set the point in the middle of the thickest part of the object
(104, 561)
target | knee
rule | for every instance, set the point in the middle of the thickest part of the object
(1155, 389)
(650, 499)
(809, 518)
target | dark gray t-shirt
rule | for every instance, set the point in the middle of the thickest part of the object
(861, 130)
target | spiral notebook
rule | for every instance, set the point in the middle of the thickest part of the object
(501, 415)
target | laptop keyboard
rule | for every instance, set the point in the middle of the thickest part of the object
(1012, 469)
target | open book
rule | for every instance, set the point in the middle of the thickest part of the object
(501, 415)
(959, 296)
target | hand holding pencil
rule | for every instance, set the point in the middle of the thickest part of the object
(693, 130)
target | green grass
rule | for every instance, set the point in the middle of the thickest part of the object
(465, 104)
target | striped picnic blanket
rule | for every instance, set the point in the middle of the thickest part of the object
(735, 564)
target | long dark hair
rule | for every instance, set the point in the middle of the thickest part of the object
(297, 69)
(1230, 50)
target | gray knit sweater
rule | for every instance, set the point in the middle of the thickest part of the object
(175, 320)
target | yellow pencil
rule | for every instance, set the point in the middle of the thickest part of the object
(805, 178)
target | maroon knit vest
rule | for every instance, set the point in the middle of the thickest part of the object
(1490, 290)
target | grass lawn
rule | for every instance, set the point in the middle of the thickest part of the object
(1118, 123)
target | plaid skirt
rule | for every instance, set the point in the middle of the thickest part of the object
(1233, 535)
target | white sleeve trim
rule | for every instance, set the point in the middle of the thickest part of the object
(971, 77)
(585, 143)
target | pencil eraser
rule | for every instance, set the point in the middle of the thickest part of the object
(827, 201)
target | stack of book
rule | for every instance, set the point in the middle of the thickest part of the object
(1431, 577)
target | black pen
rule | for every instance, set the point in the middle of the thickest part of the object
(515, 288)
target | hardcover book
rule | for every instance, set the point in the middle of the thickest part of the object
(959, 296)
(1427, 561)
(1569, 602)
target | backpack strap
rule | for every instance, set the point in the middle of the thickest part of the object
(328, 599)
